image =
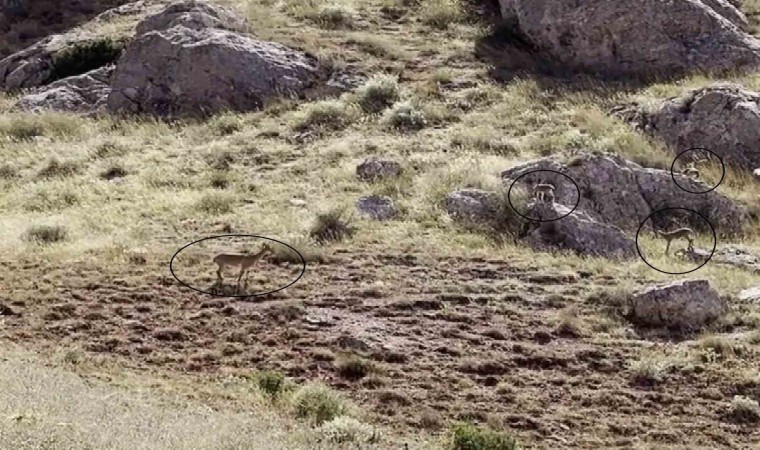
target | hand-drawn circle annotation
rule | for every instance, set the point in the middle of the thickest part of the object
(543, 185)
(233, 264)
(672, 228)
(698, 166)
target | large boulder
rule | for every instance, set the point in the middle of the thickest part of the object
(195, 72)
(622, 193)
(685, 304)
(85, 94)
(722, 118)
(194, 14)
(577, 232)
(637, 37)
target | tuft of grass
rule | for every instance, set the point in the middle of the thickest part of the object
(378, 93)
(334, 17)
(46, 234)
(318, 403)
(271, 383)
(306, 248)
(442, 13)
(219, 180)
(354, 367)
(473, 437)
(332, 227)
(83, 57)
(744, 410)
(54, 167)
(328, 115)
(344, 429)
(114, 171)
(8, 172)
(653, 366)
(406, 116)
(26, 127)
(216, 203)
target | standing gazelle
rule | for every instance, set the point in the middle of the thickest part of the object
(245, 262)
(685, 233)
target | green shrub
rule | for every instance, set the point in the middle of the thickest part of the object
(473, 437)
(216, 203)
(345, 429)
(331, 227)
(271, 383)
(379, 93)
(46, 234)
(331, 115)
(406, 116)
(317, 402)
(85, 56)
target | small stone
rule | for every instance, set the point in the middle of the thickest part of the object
(377, 169)
(377, 207)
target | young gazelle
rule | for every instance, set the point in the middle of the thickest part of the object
(245, 262)
(691, 170)
(685, 233)
(543, 192)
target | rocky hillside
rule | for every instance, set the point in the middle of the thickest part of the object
(487, 225)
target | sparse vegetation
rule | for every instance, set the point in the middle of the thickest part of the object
(320, 404)
(744, 410)
(85, 56)
(332, 226)
(328, 115)
(378, 93)
(406, 116)
(46, 234)
(473, 437)
(343, 429)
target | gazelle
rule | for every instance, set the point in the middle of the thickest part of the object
(245, 262)
(681, 233)
(691, 170)
(543, 192)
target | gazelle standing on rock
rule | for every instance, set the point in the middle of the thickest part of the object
(544, 192)
(245, 262)
(681, 233)
(691, 170)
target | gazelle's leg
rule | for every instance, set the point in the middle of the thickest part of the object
(667, 247)
(691, 244)
(240, 275)
(219, 274)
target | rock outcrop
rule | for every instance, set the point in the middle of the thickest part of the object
(577, 232)
(193, 14)
(84, 94)
(374, 169)
(377, 207)
(477, 208)
(685, 304)
(642, 38)
(721, 118)
(622, 193)
(198, 71)
(39, 64)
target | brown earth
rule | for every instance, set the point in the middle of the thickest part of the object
(444, 338)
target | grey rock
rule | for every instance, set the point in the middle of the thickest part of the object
(34, 66)
(577, 232)
(193, 14)
(756, 174)
(722, 118)
(637, 37)
(475, 206)
(685, 304)
(374, 169)
(735, 256)
(189, 72)
(377, 207)
(85, 94)
(622, 193)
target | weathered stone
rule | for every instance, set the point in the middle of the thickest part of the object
(377, 207)
(577, 232)
(377, 169)
(750, 295)
(622, 193)
(722, 118)
(637, 37)
(193, 14)
(756, 174)
(35, 65)
(84, 94)
(730, 256)
(685, 304)
(187, 72)
(474, 206)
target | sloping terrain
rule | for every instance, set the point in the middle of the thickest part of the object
(422, 322)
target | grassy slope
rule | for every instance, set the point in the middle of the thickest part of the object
(476, 129)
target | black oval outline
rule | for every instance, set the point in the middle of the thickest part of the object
(712, 228)
(509, 197)
(722, 163)
(303, 263)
